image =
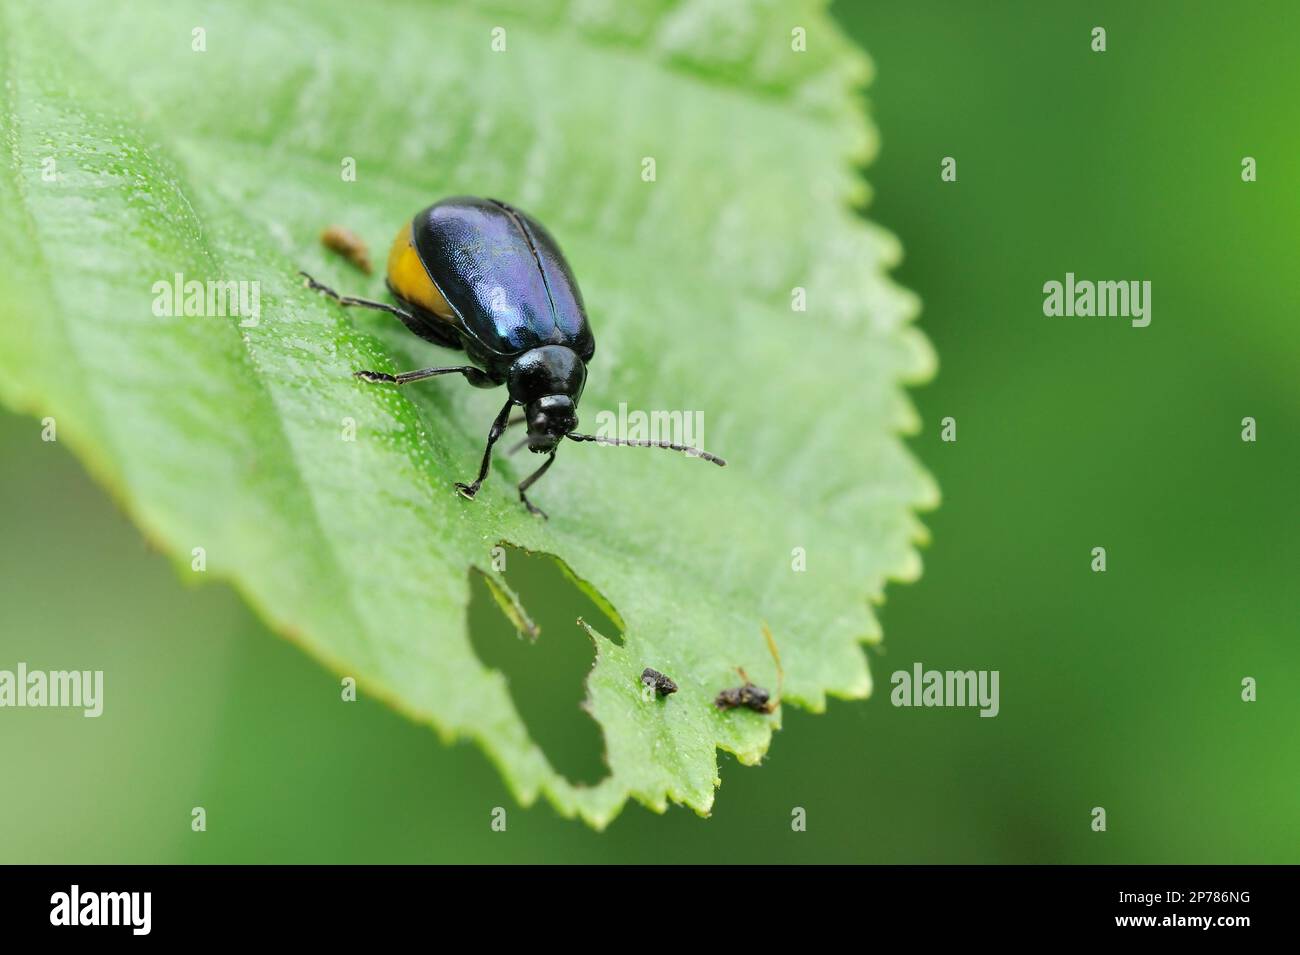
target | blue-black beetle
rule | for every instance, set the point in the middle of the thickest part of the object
(478, 275)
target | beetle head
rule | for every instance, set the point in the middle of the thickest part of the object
(549, 419)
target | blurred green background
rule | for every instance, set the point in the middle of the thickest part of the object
(1119, 690)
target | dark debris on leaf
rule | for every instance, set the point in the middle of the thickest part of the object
(663, 684)
(747, 695)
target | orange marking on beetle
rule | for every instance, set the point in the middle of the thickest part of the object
(408, 277)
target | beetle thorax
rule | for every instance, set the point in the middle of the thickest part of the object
(549, 370)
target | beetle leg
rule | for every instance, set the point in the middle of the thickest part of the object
(345, 300)
(498, 426)
(474, 376)
(529, 481)
(522, 442)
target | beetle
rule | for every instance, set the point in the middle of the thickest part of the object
(484, 277)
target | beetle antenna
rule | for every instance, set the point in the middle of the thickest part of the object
(627, 443)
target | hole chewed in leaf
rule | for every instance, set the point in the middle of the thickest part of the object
(544, 655)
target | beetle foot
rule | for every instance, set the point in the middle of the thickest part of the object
(375, 376)
(533, 508)
(467, 491)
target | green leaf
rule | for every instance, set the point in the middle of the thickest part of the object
(224, 164)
